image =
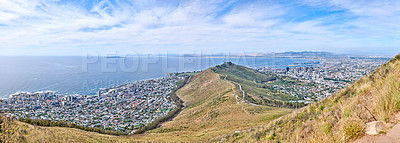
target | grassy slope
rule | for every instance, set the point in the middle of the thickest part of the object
(253, 81)
(211, 113)
(341, 117)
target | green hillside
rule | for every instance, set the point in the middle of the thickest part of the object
(255, 84)
(341, 117)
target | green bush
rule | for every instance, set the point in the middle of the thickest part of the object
(353, 129)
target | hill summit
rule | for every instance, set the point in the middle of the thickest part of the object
(255, 87)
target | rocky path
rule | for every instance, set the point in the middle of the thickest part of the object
(392, 136)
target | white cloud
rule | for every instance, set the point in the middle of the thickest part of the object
(11, 9)
(375, 8)
(254, 15)
(38, 26)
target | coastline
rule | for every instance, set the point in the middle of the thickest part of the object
(66, 94)
(69, 100)
(72, 75)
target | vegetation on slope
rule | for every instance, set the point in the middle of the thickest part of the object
(255, 87)
(13, 131)
(8, 130)
(50, 123)
(341, 117)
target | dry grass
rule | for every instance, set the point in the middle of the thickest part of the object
(338, 118)
(352, 128)
(9, 131)
(388, 101)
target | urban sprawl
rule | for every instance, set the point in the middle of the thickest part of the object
(124, 108)
(325, 77)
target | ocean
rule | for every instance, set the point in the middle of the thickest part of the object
(86, 75)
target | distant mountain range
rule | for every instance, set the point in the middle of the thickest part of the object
(290, 54)
(305, 54)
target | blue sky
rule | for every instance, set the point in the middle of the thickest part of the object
(76, 27)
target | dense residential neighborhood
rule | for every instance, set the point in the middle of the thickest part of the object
(324, 78)
(123, 108)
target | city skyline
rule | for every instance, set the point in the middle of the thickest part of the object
(67, 27)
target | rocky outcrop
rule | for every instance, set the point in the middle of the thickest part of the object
(373, 128)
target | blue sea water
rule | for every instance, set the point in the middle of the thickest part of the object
(86, 75)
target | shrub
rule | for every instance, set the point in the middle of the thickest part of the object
(322, 107)
(272, 136)
(352, 129)
(388, 98)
